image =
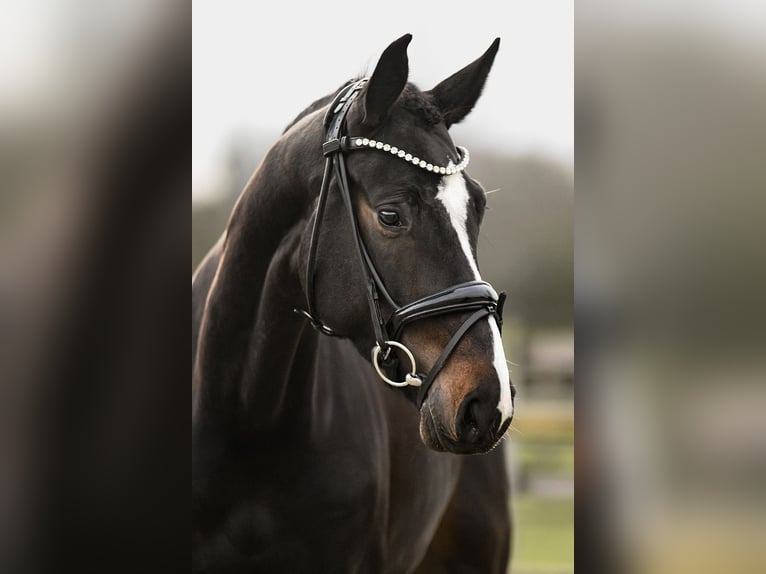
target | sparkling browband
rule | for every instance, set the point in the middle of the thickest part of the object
(359, 143)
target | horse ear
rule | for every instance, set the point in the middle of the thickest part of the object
(457, 95)
(387, 81)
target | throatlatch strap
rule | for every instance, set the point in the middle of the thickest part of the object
(333, 122)
(310, 313)
(470, 322)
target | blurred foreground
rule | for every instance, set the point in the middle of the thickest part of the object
(94, 178)
(670, 283)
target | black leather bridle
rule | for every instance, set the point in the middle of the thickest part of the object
(477, 297)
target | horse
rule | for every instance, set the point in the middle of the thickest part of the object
(330, 423)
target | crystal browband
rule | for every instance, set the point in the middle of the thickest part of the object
(352, 143)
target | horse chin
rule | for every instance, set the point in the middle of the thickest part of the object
(435, 437)
(429, 433)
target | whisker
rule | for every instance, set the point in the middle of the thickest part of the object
(494, 191)
(512, 363)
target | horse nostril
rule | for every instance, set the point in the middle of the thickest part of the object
(476, 419)
(466, 422)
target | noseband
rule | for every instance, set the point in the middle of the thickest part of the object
(477, 297)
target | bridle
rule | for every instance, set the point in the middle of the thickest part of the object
(477, 297)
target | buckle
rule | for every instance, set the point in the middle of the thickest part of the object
(316, 323)
(330, 147)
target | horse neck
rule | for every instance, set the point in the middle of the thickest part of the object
(246, 371)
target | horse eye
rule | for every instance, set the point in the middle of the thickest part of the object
(389, 218)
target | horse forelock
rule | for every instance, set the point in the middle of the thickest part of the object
(421, 104)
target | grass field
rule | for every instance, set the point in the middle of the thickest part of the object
(542, 501)
(544, 535)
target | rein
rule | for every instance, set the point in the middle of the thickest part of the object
(476, 296)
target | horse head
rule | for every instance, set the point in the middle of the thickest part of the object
(413, 231)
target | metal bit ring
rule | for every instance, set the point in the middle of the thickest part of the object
(410, 379)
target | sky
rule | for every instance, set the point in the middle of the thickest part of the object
(256, 65)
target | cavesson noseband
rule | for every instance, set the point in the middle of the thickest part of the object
(477, 297)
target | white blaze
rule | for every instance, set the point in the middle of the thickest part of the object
(454, 196)
(505, 405)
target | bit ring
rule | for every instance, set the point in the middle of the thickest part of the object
(411, 379)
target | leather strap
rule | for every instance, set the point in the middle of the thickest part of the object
(310, 312)
(373, 299)
(462, 297)
(437, 367)
(333, 122)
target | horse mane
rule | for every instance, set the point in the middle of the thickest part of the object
(412, 99)
(316, 105)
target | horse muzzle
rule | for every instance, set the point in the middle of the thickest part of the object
(460, 422)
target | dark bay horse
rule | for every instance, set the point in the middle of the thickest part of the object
(304, 460)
